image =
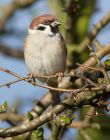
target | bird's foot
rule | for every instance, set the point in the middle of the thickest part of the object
(32, 78)
(59, 76)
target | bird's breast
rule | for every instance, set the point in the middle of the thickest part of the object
(44, 57)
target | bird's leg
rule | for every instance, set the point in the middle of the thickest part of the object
(60, 75)
(32, 77)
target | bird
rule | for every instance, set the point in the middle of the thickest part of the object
(45, 51)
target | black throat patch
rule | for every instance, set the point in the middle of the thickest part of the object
(54, 29)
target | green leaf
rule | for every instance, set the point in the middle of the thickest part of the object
(65, 120)
(107, 64)
(37, 134)
(29, 116)
(4, 107)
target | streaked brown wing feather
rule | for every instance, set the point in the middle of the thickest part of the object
(63, 45)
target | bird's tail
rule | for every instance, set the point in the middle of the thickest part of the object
(55, 94)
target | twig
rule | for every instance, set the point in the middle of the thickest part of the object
(13, 82)
(106, 77)
(49, 87)
(79, 125)
(103, 51)
(101, 69)
(49, 77)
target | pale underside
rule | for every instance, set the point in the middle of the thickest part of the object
(45, 55)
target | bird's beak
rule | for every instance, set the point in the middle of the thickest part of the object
(55, 23)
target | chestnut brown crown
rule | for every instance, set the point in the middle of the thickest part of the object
(43, 19)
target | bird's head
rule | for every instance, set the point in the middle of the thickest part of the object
(44, 24)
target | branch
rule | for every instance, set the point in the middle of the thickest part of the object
(11, 52)
(11, 117)
(82, 99)
(97, 28)
(49, 87)
(55, 132)
(41, 105)
(103, 51)
(8, 10)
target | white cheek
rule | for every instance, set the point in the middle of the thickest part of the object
(48, 31)
(31, 32)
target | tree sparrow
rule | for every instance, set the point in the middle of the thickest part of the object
(45, 50)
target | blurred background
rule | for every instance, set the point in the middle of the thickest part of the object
(15, 18)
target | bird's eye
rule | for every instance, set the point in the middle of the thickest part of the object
(41, 28)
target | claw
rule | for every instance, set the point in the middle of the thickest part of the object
(73, 95)
(60, 76)
(32, 77)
